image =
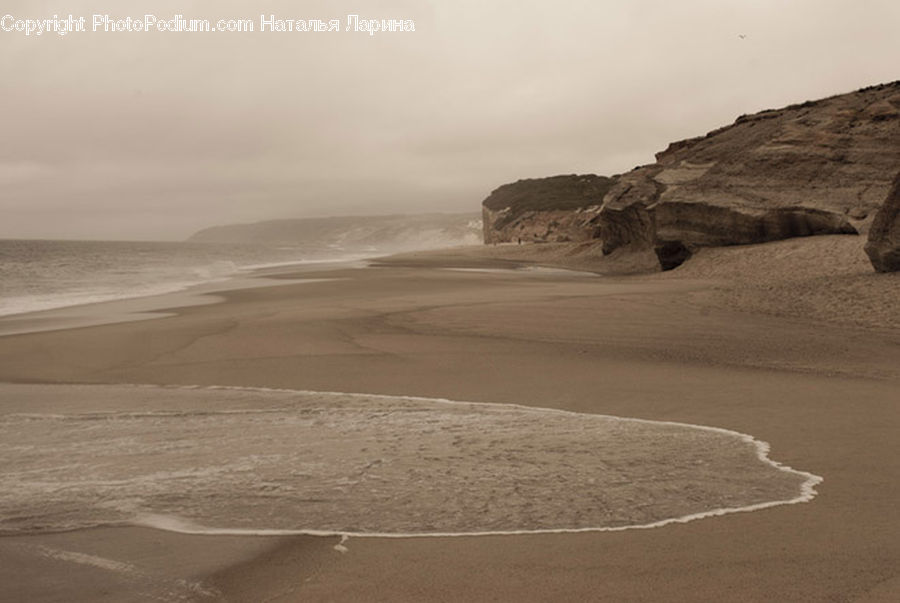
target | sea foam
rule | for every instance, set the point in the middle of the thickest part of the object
(273, 462)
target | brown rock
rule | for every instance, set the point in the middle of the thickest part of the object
(806, 169)
(803, 170)
(883, 247)
(544, 210)
(858, 213)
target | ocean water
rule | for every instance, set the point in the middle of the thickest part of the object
(251, 461)
(40, 275)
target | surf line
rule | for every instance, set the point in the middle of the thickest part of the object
(174, 524)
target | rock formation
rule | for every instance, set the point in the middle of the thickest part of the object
(556, 209)
(820, 167)
(883, 246)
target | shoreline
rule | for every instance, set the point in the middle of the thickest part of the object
(807, 490)
(661, 348)
(723, 268)
(160, 305)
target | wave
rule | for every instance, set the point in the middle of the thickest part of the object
(260, 461)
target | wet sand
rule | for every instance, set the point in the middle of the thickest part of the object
(821, 389)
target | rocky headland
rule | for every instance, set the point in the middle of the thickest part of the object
(556, 209)
(819, 167)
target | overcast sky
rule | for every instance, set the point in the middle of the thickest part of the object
(155, 135)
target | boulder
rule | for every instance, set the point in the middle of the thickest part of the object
(883, 246)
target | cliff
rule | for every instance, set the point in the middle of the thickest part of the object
(555, 209)
(382, 233)
(820, 167)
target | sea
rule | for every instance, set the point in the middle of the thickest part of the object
(47, 274)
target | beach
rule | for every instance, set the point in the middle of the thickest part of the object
(767, 340)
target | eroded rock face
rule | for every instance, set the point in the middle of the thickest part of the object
(820, 167)
(883, 247)
(707, 225)
(543, 210)
(627, 218)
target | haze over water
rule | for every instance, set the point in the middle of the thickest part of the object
(39, 275)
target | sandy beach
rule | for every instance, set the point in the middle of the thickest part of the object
(768, 340)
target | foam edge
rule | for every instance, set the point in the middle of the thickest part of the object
(807, 489)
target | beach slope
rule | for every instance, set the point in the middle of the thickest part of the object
(701, 347)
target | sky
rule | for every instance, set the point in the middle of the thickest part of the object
(154, 135)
